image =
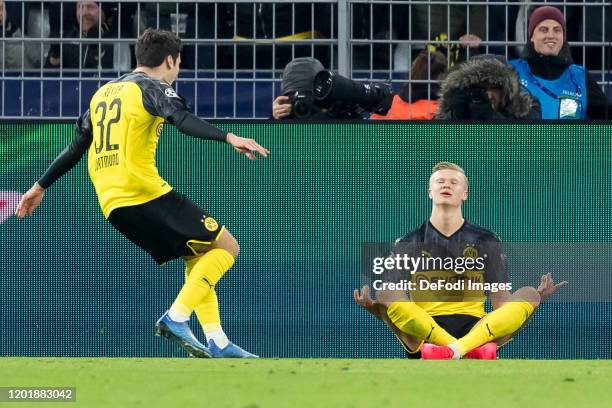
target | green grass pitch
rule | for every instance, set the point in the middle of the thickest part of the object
(137, 382)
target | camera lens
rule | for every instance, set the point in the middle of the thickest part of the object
(301, 109)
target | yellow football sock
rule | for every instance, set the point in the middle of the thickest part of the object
(411, 319)
(204, 272)
(207, 311)
(499, 323)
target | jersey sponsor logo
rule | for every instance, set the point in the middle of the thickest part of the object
(159, 129)
(210, 224)
(171, 93)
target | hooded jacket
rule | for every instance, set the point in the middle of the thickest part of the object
(463, 94)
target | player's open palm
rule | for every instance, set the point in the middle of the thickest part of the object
(248, 147)
(30, 200)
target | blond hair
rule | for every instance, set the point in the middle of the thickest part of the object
(448, 166)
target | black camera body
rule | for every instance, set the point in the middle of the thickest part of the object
(302, 104)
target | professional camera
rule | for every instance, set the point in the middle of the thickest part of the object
(302, 104)
(333, 90)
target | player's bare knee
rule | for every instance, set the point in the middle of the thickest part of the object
(528, 294)
(228, 242)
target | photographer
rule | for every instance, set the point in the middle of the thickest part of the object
(311, 92)
(298, 77)
(485, 88)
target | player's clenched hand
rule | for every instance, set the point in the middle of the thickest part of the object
(248, 147)
(30, 200)
(547, 286)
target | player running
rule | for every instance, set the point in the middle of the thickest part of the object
(453, 324)
(120, 131)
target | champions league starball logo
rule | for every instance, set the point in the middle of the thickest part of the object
(171, 93)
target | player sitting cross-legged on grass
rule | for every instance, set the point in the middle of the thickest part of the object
(437, 323)
(120, 132)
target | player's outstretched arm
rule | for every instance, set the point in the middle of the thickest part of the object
(191, 125)
(60, 166)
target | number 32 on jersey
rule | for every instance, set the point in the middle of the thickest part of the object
(106, 114)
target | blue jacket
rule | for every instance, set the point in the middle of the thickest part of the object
(562, 98)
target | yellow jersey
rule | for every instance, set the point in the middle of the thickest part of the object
(127, 116)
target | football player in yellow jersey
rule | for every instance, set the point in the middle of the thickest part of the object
(120, 132)
(438, 323)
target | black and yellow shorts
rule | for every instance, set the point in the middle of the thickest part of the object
(457, 325)
(168, 227)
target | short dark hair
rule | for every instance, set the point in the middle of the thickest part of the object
(153, 46)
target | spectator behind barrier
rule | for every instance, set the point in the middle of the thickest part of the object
(419, 101)
(565, 90)
(281, 21)
(12, 56)
(484, 88)
(89, 17)
(440, 23)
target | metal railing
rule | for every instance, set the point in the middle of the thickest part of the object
(235, 51)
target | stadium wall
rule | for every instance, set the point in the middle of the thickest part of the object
(70, 285)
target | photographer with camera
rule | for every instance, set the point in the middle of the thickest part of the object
(297, 100)
(311, 92)
(485, 88)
